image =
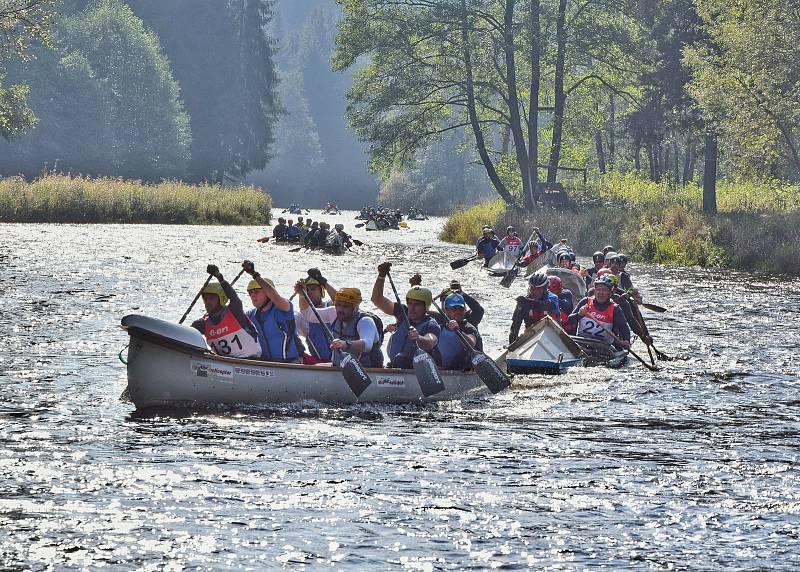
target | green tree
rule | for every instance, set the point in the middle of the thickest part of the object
(222, 58)
(438, 66)
(745, 77)
(22, 22)
(106, 101)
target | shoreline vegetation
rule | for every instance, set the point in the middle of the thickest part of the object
(757, 227)
(55, 198)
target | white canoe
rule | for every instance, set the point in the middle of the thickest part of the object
(501, 263)
(170, 365)
(543, 348)
(570, 280)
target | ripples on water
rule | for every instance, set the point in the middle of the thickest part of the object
(693, 467)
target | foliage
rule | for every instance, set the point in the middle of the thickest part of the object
(106, 102)
(61, 198)
(746, 79)
(22, 22)
(222, 58)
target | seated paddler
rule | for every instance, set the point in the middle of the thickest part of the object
(597, 316)
(316, 287)
(538, 303)
(273, 317)
(424, 331)
(228, 331)
(355, 331)
(454, 354)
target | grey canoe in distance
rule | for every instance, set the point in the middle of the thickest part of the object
(170, 365)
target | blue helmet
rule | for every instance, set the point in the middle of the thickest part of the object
(455, 300)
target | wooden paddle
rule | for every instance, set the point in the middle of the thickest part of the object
(298, 249)
(634, 354)
(491, 375)
(356, 241)
(512, 274)
(196, 298)
(461, 262)
(430, 382)
(263, 239)
(352, 370)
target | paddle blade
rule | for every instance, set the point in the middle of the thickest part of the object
(354, 374)
(403, 224)
(430, 382)
(653, 307)
(509, 277)
(298, 249)
(491, 375)
(359, 225)
(357, 242)
(461, 262)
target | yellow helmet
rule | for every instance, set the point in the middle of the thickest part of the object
(421, 294)
(254, 285)
(349, 296)
(315, 282)
(216, 288)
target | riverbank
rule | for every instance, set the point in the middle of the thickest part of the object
(67, 199)
(757, 227)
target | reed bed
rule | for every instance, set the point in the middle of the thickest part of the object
(71, 199)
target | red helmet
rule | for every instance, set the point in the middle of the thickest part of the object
(555, 285)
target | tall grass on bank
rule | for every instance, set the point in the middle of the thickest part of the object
(68, 199)
(757, 228)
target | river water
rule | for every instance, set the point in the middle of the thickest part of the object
(694, 467)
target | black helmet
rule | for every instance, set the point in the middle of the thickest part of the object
(608, 249)
(539, 280)
(510, 229)
(572, 256)
(564, 255)
(623, 259)
(598, 257)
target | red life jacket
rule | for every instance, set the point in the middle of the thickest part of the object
(597, 323)
(228, 337)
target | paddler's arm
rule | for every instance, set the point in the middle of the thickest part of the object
(476, 311)
(516, 322)
(572, 321)
(328, 314)
(382, 302)
(280, 302)
(621, 325)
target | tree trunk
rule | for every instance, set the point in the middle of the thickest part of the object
(480, 141)
(601, 156)
(687, 160)
(667, 163)
(560, 96)
(676, 175)
(533, 98)
(637, 158)
(505, 139)
(651, 162)
(710, 175)
(513, 103)
(692, 161)
(612, 132)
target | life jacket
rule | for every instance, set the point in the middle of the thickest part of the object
(487, 246)
(318, 343)
(276, 334)
(454, 354)
(598, 323)
(228, 337)
(534, 314)
(349, 332)
(512, 246)
(400, 344)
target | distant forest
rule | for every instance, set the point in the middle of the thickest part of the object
(200, 90)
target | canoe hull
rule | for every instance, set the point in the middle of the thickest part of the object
(163, 372)
(543, 348)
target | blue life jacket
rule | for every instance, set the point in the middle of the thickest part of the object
(276, 334)
(318, 343)
(487, 246)
(400, 344)
(292, 232)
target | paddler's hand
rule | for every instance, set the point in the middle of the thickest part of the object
(213, 269)
(384, 268)
(249, 267)
(317, 275)
(415, 280)
(413, 334)
(338, 344)
(300, 285)
(390, 329)
(648, 341)
(452, 325)
(625, 344)
(584, 311)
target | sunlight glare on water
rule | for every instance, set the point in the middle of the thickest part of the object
(692, 467)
